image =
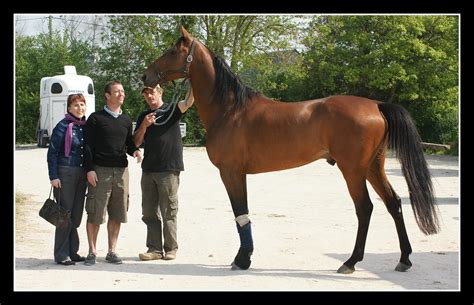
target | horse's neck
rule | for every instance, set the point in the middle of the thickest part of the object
(203, 78)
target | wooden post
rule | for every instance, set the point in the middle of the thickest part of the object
(435, 147)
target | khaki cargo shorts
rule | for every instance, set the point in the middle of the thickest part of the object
(110, 195)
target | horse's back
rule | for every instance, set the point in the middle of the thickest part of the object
(350, 105)
(340, 106)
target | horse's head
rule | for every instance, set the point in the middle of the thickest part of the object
(173, 64)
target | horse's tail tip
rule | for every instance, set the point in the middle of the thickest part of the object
(432, 230)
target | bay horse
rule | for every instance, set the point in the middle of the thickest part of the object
(248, 133)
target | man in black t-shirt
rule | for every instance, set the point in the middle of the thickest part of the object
(158, 127)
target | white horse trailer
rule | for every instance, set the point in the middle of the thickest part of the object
(53, 104)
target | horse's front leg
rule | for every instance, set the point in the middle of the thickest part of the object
(236, 186)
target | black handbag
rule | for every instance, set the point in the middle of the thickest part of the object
(55, 214)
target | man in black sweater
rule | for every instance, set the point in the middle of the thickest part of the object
(108, 139)
(158, 127)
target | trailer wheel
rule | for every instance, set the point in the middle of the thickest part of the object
(42, 139)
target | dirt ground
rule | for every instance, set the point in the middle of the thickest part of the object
(304, 227)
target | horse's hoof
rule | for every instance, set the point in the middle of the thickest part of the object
(345, 269)
(402, 267)
(234, 266)
(241, 264)
(242, 260)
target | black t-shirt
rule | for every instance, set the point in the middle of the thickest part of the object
(163, 145)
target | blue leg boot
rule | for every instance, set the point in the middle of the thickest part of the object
(242, 259)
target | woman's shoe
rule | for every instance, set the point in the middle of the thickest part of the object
(67, 262)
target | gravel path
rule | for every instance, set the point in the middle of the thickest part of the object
(304, 228)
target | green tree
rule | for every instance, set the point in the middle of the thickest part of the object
(37, 57)
(238, 38)
(260, 49)
(279, 75)
(410, 60)
(130, 44)
(133, 42)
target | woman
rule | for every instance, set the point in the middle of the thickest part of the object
(68, 177)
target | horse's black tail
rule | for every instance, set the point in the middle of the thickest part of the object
(403, 137)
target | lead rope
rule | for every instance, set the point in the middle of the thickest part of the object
(177, 92)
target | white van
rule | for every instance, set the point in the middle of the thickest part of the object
(53, 104)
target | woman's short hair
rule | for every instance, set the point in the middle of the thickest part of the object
(75, 97)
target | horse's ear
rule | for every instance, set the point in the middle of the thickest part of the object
(185, 33)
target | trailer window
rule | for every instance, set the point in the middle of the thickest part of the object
(56, 88)
(90, 89)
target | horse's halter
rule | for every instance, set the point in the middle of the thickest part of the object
(184, 69)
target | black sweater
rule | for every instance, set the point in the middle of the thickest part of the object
(108, 139)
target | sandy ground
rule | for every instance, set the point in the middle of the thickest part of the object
(304, 228)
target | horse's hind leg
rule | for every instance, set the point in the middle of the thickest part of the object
(379, 182)
(358, 191)
(236, 186)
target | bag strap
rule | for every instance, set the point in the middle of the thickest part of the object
(59, 194)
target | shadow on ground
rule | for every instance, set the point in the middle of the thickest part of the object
(380, 264)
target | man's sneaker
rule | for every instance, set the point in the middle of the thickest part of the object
(90, 259)
(170, 256)
(113, 258)
(149, 256)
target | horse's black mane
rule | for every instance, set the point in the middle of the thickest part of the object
(227, 82)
